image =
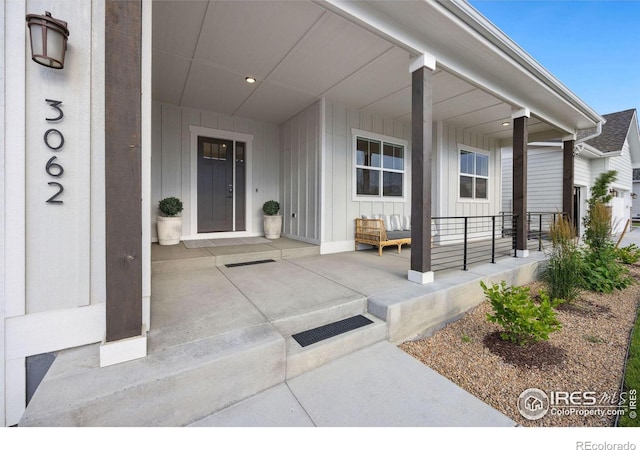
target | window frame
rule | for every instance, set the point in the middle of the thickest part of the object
(475, 151)
(382, 139)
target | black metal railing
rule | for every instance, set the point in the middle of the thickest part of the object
(461, 241)
(538, 225)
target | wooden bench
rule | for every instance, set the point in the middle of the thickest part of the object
(373, 232)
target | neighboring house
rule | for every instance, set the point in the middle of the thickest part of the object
(617, 148)
(635, 204)
(356, 108)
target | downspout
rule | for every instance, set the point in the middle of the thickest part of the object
(579, 143)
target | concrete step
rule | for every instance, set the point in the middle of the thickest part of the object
(185, 264)
(313, 318)
(303, 359)
(171, 387)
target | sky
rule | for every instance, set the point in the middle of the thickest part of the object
(591, 46)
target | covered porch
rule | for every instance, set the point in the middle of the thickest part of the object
(310, 100)
(223, 341)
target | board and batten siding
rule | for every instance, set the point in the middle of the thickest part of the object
(447, 187)
(171, 159)
(300, 138)
(507, 179)
(340, 210)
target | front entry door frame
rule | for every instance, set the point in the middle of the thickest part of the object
(193, 203)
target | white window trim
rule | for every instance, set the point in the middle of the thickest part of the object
(467, 148)
(355, 134)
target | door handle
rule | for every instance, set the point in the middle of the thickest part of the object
(230, 189)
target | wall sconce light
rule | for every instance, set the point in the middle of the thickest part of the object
(634, 196)
(48, 38)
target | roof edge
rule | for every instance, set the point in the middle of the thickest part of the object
(478, 22)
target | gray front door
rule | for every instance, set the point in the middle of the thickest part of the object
(221, 185)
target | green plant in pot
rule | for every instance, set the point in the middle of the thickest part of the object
(272, 220)
(169, 222)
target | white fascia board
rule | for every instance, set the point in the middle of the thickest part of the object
(473, 18)
(592, 152)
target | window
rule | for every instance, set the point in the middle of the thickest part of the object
(379, 166)
(474, 175)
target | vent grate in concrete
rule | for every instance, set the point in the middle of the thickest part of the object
(318, 334)
(250, 263)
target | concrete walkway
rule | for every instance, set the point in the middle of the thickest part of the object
(378, 386)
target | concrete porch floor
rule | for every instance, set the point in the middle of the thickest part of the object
(220, 350)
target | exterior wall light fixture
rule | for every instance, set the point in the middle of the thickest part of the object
(48, 38)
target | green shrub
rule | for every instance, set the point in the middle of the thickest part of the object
(597, 221)
(522, 320)
(562, 273)
(629, 254)
(271, 208)
(170, 206)
(601, 271)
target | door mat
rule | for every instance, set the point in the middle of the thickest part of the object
(202, 243)
(330, 330)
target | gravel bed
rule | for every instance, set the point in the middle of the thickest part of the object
(588, 354)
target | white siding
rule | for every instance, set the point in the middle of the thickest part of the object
(507, 180)
(544, 180)
(64, 241)
(452, 205)
(622, 164)
(582, 172)
(300, 174)
(340, 208)
(171, 159)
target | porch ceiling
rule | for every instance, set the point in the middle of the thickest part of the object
(298, 52)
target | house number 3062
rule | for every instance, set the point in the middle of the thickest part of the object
(54, 140)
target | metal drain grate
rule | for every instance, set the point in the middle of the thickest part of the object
(250, 263)
(330, 330)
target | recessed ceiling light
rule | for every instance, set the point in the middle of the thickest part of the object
(250, 80)
(505, 124)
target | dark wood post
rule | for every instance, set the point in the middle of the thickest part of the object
(123, 46)
(421, 143)
(520, 138)
(568, 174)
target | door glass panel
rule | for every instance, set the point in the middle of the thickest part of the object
(240, 190)
(206, 150)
